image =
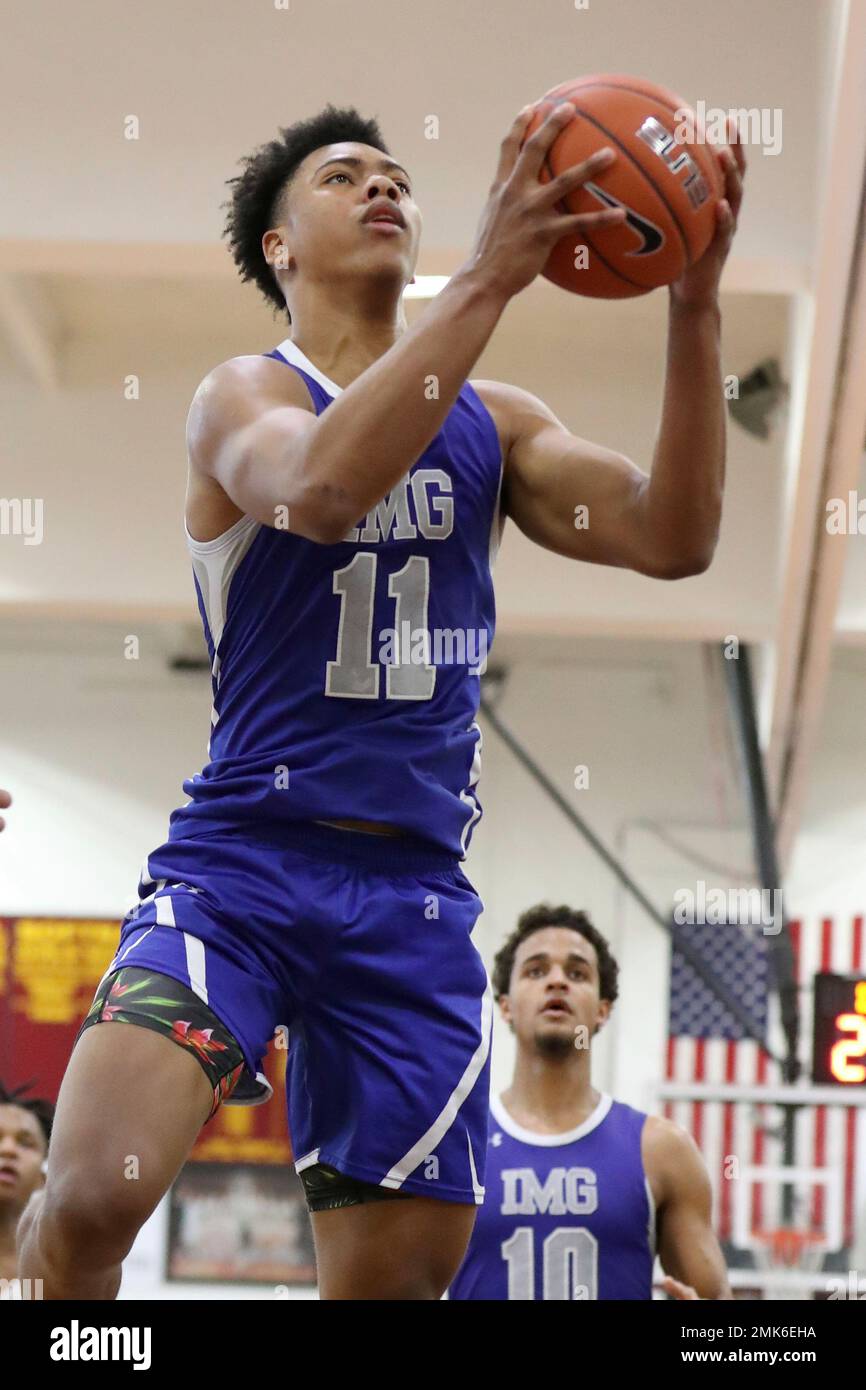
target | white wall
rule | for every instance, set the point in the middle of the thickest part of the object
(827, 873)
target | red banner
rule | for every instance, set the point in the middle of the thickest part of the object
(49, 970)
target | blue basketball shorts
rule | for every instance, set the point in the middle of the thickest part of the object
(355, 952)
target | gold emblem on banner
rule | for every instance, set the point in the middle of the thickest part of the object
(57, 964)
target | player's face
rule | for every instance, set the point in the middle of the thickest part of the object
(553, 999)
(22, 1151)
(324, 210)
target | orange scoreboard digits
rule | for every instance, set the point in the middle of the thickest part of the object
(839, 1032)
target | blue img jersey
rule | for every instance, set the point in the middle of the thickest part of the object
(565, 1216)
(346, 678)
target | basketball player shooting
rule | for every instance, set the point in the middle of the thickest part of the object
(345, 488)
(582, 1191)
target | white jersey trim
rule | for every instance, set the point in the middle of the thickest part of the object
(549, 1141)
(293, 354)
(215, 563)
(497, 525)
(651, 1225)
(467, 796)
(207, 547)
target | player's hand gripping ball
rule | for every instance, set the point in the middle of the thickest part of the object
(669, 186)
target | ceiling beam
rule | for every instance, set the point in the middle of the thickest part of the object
(211, 260)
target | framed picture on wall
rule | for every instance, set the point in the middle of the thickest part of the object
(239, 1223)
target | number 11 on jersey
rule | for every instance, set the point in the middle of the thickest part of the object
(355, 674)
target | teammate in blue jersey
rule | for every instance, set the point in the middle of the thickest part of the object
(582, 1191)
(346, 495)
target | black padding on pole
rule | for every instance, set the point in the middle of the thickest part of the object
(739, 681)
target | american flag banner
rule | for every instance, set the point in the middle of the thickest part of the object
(738, 958)
(707, 1044)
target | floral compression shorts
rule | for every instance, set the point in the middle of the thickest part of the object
(167, 1006)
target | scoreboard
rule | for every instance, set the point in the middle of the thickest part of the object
(839, 1030)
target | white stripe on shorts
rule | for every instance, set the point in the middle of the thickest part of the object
(164, 909)
(195, 964)
(443, 1122)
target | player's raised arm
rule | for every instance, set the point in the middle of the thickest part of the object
(687, 1245)
(378, 427)
(270, 454)
(590, 503)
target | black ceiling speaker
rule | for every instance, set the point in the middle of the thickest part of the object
(760, 397)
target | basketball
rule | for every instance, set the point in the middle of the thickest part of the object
(668, 185)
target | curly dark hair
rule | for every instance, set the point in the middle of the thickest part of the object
(42, 1109)
(267, 171)
(536, 919)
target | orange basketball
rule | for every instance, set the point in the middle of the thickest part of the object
(669, 185)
